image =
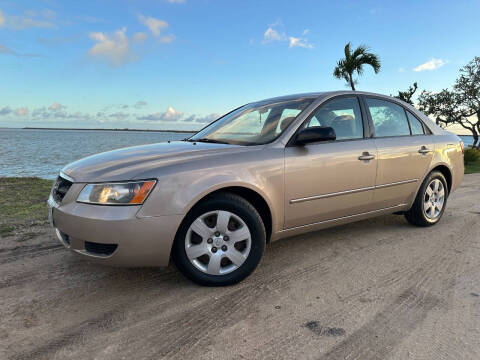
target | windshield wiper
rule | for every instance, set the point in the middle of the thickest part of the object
(206, 140)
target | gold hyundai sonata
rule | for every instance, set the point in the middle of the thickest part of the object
(264, 171)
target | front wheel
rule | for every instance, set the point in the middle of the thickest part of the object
(220, 242)
(430, 201)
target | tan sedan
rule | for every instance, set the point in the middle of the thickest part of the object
(264, 171)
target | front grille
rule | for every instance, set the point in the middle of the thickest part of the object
(100, 249)
(60, 189)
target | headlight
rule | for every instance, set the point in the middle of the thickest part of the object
(128, 193)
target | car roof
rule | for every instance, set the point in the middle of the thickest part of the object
(317, 95)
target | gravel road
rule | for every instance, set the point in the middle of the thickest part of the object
(376, 289)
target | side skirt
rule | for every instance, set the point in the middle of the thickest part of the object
(337, 221)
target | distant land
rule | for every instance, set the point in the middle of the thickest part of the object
(115, 129)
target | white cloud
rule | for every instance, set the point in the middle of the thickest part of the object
(7, 51)
(5, 110)
(273, 35)
(155, 25)
(21, 111)
(167, 38)
(176, 1)
(139, 104)
(114, 48)
(30, 19)
(202, 119)
(139, 37)
(207, 119)
(170, 115)
(299, 42)
(430, 65)
(56, 106)
(120, 116)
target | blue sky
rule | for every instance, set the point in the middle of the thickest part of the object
(173, 64)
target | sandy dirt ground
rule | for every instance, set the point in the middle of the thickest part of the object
(376, 289)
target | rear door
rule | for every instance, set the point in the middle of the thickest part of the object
(404, 151)
(329, 180)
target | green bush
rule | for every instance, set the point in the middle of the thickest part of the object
(471, 155)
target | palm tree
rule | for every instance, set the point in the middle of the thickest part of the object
(354, 62)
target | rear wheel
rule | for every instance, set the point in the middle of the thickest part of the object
(430, 201)
(221, 241)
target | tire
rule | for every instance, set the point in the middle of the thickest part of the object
(425, 209)
(220, 242)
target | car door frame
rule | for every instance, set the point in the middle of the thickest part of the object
(367, 124)
(408, 183)
(367, 135)
(366, 110)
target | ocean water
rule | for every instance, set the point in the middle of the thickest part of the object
(42, 153)
(467, 139)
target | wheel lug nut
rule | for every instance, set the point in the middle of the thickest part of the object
(226, 238)
(224, 248)
(217, 233)
(210, 240)
(214, 249)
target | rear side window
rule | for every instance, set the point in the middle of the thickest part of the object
(389, 119)
(415, 125)
(343, 115)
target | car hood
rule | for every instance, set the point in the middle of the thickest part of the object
(126, 163)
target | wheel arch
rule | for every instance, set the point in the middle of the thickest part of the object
(446, 172)
(254, 197)
(444, 169)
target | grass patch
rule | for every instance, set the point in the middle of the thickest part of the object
(472, 160)
(472, 167)
(22, 203)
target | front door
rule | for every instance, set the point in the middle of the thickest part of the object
(329, 180)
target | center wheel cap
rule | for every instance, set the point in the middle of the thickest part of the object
(218, 242)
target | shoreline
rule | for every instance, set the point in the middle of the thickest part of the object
(105, 129)
(126, 129)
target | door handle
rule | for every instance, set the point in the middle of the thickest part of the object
(366, 156)
(424, 150)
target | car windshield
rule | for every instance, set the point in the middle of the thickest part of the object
(253, 124)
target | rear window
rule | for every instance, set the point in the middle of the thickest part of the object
(415, 125)
(388, 118)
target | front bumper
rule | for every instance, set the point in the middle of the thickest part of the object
(93, 231)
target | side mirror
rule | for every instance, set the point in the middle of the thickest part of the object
(315, 134)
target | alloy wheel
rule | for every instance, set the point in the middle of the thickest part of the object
(433, 199)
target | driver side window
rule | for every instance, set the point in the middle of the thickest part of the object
(343, 115)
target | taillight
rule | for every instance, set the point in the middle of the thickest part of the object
(462, 145)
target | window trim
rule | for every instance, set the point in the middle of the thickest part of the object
(426, 129)
(420, 121)
(365, 125)
(370, 119)
(261, 103)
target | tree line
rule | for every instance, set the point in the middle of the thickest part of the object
(458, 105)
